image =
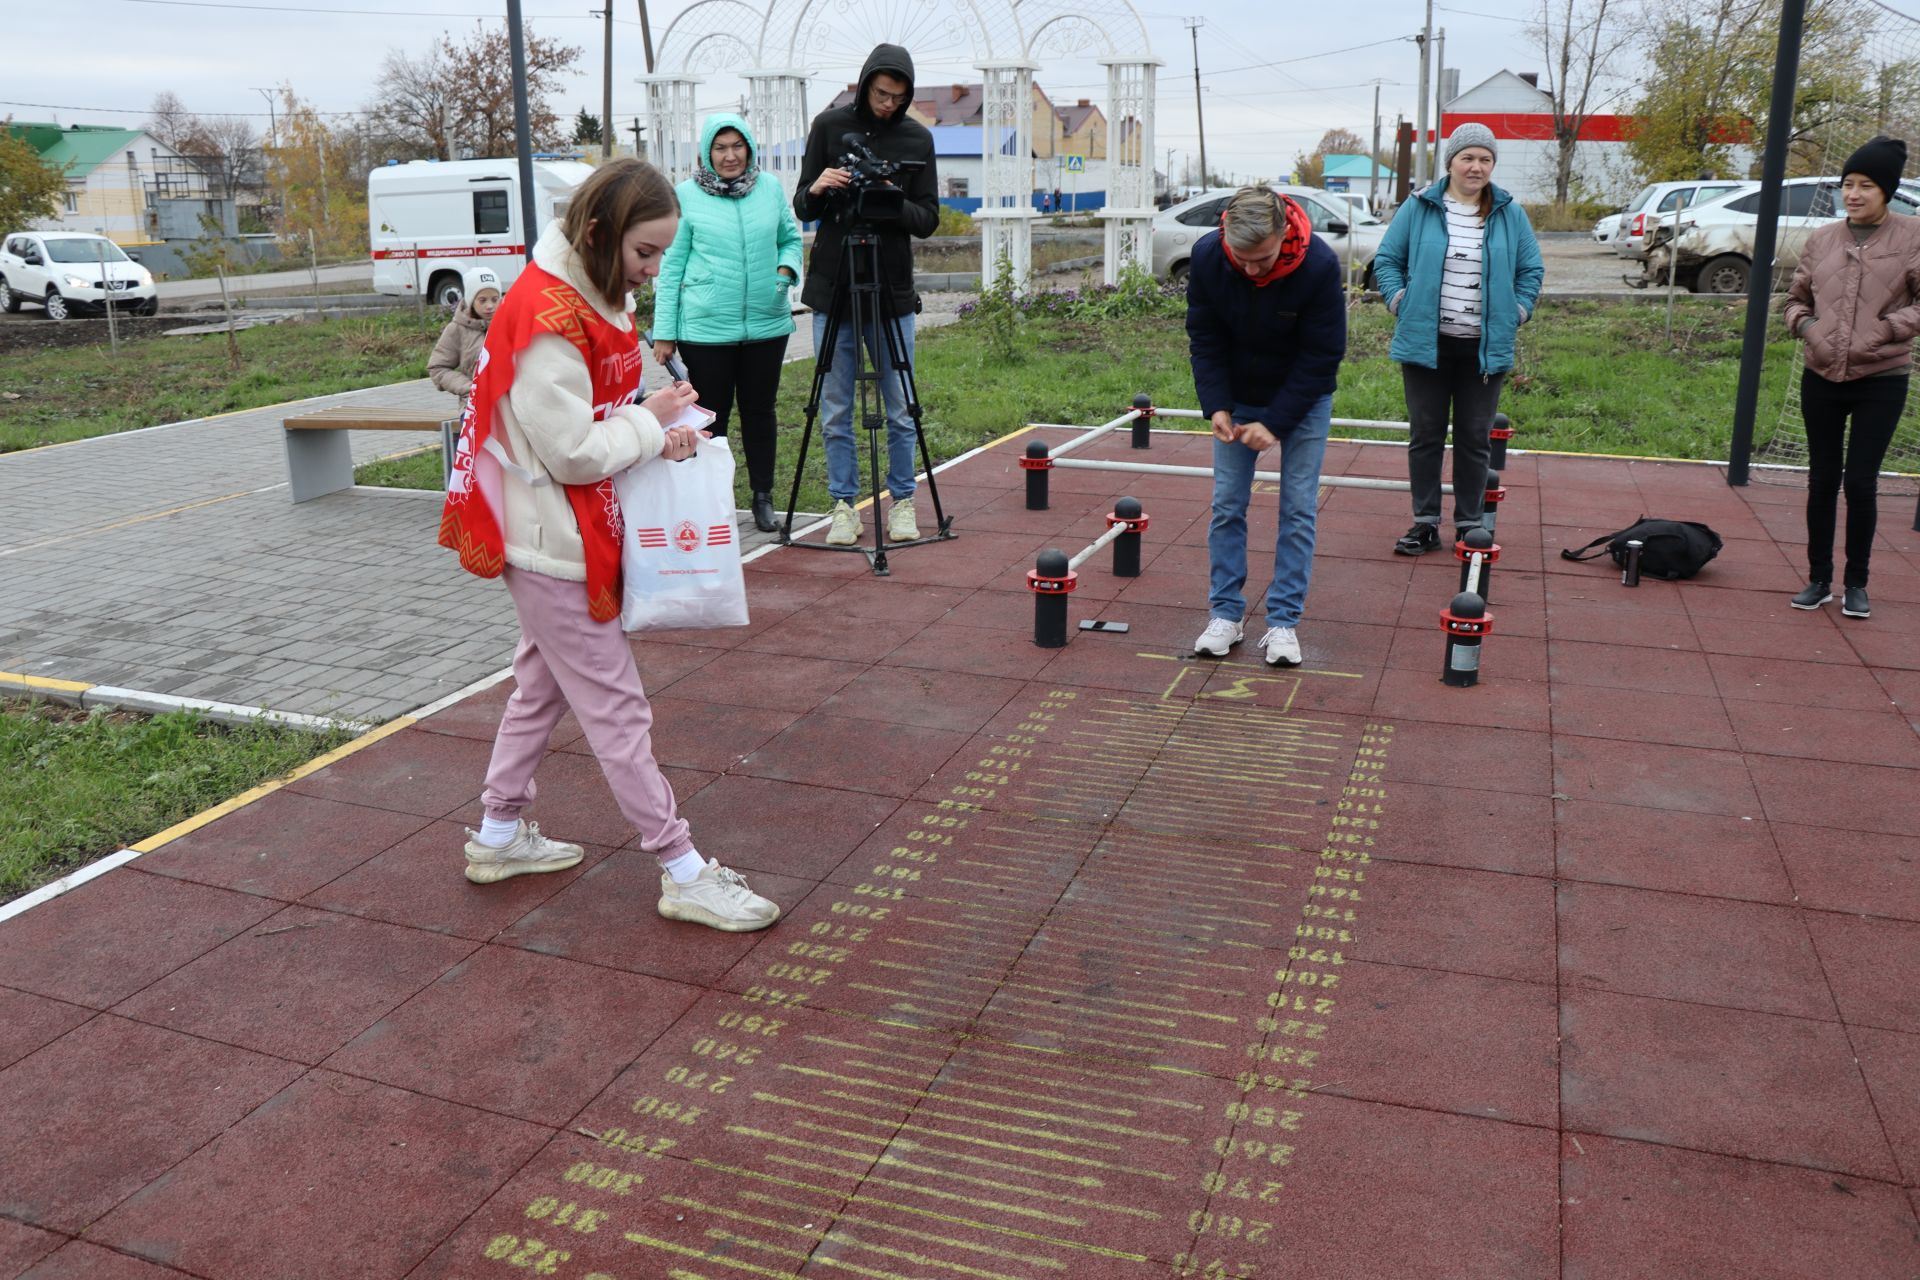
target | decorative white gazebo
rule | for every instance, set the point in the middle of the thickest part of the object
(1006, 39)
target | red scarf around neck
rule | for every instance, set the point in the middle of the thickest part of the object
(473, 521)
(1294, 240)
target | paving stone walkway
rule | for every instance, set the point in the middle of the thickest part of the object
(1097, 963)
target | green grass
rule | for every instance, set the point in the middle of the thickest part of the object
(72, 393)
(1590, 378)
(75, 785)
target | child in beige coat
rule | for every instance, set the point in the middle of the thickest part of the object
(458, 350)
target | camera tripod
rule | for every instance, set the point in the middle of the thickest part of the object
(860, 297)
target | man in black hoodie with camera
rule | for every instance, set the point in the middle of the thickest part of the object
(838, 187)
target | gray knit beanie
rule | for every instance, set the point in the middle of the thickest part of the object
(1469, 135)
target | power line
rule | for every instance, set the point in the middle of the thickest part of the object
(376, 13)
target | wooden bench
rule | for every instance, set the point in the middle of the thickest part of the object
(319, 460)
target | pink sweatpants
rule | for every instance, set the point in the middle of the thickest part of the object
(566, 659)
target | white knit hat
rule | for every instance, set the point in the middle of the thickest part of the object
(478, 278)
(1469, 135)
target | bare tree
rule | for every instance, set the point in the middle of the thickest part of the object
(414, 100)
(1580, 47)
(232, 152)
(169, 120)
(458, 96)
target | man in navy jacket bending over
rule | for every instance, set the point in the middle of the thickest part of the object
(1267, 325)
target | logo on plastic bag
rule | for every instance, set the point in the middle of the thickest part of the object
(686, 536)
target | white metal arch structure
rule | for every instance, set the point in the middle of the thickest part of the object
(1006, 212)
(720, 36)
(1111, 30)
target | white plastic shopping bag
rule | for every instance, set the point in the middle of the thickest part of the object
(679, 553)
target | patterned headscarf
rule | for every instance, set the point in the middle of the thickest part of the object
(729, 188)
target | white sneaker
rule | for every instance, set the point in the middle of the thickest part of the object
(900, 525)
(718, 898)
(1280, 647)
(528, 853)
(1218, 638)
(845, 529)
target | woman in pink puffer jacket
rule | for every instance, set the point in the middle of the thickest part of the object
(1855, 304)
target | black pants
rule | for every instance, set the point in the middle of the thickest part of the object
(1454, 388)
(1835, 462)
(750, 373)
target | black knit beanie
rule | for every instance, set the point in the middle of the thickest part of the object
(1882, 160)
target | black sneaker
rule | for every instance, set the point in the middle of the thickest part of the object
(1815, 594)
(1853, 603)
(1418, 540)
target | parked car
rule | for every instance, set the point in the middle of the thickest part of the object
(1658, 201)
(1605, 230)
(1714, 241)
(1339, 224)
(71, 273)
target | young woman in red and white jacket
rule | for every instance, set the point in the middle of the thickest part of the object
(552, 417)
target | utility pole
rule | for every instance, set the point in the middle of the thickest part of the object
(522, 127)
(646, 35)
(1426, 92)
(273, 132)
(1373, 156)
(1193, 26)
(606, 90)
(1439, 89)
(636, 139)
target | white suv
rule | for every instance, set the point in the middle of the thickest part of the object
(1657, 203)
(1715, 238)
(63, 272)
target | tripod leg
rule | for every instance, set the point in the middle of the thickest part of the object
(822, 366)
(866, 391)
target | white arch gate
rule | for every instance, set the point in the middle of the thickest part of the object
(1005, 39)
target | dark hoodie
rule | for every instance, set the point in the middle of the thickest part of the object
(896, 138)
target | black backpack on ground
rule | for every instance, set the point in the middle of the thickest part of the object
(1668, 548)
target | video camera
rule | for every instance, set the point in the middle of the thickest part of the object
(871, 193)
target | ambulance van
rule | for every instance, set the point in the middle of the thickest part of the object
(429, 220)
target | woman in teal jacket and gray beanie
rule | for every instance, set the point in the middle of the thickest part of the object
(722, 297)
(1460, 270)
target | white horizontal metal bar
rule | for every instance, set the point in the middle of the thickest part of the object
(1272, 477)
(1093, 548)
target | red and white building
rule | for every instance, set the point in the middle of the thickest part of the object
(1520, 114)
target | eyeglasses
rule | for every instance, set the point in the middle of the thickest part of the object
(891, 99)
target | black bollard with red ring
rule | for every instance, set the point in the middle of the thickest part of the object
(1050, 581)
(1038, 465)
(1497, 436)
(1143, 425)
(1465, 621)
(1477, 542)
(1126, 547)
(1496, 494)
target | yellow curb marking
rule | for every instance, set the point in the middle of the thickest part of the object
(246, 798)
(25, 683)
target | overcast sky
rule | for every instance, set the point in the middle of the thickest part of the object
(1274, 76)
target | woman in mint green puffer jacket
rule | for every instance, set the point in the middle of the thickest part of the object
(722, 301)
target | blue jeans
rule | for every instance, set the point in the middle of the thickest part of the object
(836, 411)
(1233, 466)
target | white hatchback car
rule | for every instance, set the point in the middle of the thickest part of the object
(71, 273)
(1341, 225)
(1657, 202)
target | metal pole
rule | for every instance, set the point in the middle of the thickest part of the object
(313, 267)
(1199, 112)
(606, 91)
(106, 291)
(522, 128)
(1439, 87)
(1773, 170)
(646, 35)
(1425, 39)
(1373, 157)
(1271, 477)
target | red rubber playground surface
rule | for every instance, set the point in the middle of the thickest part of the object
(1096, 962)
